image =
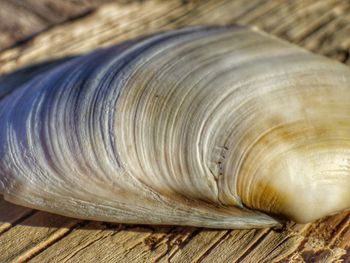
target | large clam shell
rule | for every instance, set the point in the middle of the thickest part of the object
(223, 127)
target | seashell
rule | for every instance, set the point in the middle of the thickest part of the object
(223, 127)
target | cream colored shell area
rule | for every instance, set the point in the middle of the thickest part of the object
(221, 127)
(242, 118)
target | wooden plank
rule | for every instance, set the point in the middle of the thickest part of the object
(33, 16)
(32, 235)
(128, 243)
(321, 26)
(11, 214)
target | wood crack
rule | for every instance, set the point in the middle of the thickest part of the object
(253, 245)
(214, 245)
(70, 256)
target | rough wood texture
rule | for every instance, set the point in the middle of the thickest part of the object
(321, 26)
(33, 16)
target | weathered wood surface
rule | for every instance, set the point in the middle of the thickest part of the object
(26, 234)
(21, 19)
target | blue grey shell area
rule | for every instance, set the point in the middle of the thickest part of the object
(202, 126)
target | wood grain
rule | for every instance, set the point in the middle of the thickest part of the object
(25, 234)
(22, 19)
